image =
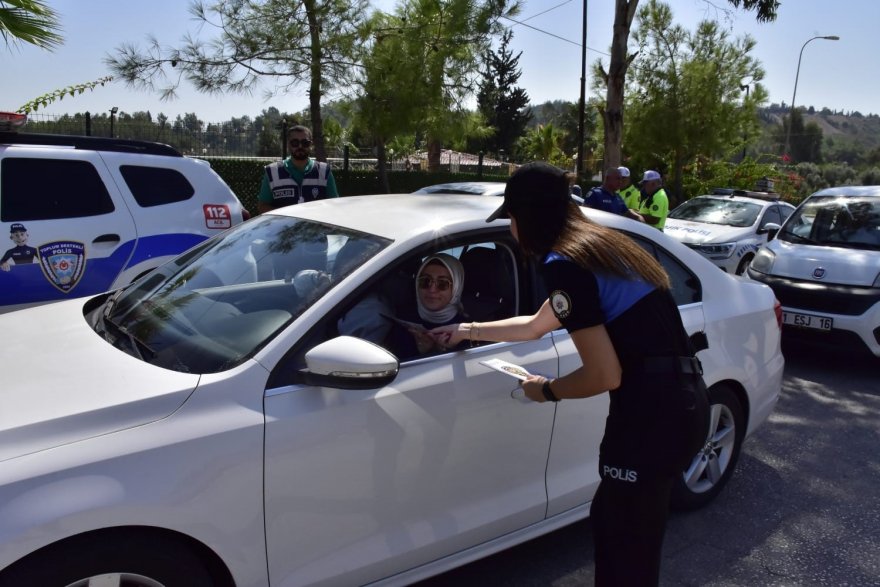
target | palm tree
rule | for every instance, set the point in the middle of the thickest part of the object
(30, 21)
(542, 143)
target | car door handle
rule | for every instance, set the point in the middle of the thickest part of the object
(107, 238)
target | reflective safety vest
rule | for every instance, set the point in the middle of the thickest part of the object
(285, 190)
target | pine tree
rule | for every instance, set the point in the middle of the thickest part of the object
(500, 101)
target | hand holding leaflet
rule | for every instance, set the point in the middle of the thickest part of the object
(508, 368)
(514, 371)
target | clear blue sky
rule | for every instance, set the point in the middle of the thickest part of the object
(841, 75)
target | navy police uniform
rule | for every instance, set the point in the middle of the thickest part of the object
(602, 199)
(644, 446)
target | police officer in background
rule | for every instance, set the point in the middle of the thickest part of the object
(654, 203)
(614, 300)
(628, 191)
(605, 196)
(297, 179)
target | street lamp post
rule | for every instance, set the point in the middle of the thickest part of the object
(796, 75)
(113, 112)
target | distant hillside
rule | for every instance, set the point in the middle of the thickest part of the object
(855, 128)
(860, 131)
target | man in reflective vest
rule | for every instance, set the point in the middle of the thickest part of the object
(628, 191)
(654, 205)
(297, 179)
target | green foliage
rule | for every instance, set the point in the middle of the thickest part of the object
(286, 43)
(503, 105)
(871, 176)
(543, 144)
(29, 21)
(685, 101)
(75, 90)
(703, 175)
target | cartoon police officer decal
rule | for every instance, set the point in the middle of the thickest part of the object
(20, 254)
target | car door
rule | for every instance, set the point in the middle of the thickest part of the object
(77, 233)
(364, 484)
(573, 466)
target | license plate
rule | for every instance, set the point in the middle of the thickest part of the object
(807, 321)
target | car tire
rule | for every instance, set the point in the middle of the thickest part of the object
(744, 264)
(113, 557)
(712, 467)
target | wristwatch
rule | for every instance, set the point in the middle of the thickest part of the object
(548, 393)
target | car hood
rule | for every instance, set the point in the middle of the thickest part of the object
(61, 382)
(699, 233)
(824, 264)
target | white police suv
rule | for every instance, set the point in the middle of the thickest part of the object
(85, 215)
(728, 226)
(824, 267)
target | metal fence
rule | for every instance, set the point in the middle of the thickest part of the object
(242, 139)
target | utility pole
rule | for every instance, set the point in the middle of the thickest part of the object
(579, 165)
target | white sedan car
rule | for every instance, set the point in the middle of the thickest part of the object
(728, 227)
(225, 421)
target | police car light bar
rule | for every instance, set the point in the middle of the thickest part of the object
(12, 121)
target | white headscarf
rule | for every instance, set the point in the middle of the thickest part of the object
(447, 313)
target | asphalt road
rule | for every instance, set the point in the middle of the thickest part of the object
(803, 507)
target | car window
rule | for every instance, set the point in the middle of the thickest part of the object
(489, 292)
(220, 302)
(685, 286)
(155, 186)
(785, 212)
(76, 191)
(851, 222)
(771, 214)
(718, 211)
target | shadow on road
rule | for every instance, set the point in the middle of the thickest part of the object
(802, 508)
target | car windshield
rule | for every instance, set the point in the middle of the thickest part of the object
(718, 211)
(851, 222)
(217, 304)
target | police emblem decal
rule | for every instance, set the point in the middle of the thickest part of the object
(561, 303)
(63, 263)
(315, 192)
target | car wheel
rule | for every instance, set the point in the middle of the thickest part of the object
(712, 467)
(115, 557)
(744, 264)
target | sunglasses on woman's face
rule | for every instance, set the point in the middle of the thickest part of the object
(442, 283)
(305, 143)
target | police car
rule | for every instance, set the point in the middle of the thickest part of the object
(85, 215)
(824, 266)
(728, 226)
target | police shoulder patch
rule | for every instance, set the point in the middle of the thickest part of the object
(561, 303)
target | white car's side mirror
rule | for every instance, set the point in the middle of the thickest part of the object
(346, 362)
(771, 228)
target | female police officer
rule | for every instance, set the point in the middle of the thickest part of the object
(614, 300)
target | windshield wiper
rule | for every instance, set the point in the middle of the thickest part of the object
(136, 344)
(800, 238)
